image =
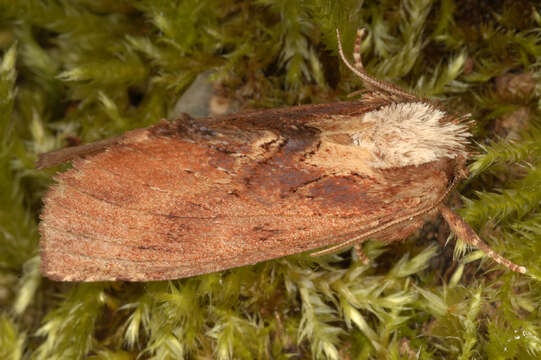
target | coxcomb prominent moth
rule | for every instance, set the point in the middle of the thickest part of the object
(194, 196)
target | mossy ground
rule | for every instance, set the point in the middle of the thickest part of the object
(75, 71)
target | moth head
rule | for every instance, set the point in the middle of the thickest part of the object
(411, 133)
(406, 130)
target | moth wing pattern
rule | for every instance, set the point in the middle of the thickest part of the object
(191, 197)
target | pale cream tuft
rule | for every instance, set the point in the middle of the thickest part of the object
(410, 134)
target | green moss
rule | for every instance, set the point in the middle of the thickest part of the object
(11, 341)
(85, 70)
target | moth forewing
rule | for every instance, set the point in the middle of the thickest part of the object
(196, 196)
(143, 210)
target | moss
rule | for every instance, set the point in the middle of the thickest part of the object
(11, 340)
(77, 71)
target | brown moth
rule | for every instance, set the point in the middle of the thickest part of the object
(192, 196)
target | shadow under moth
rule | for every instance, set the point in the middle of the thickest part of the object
(190, 196)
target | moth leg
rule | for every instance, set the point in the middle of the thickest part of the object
(332, 249)
(356, 247)
(357, 92)
(466, 233)
(360, 253)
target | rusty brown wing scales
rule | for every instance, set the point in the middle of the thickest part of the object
(196, 196)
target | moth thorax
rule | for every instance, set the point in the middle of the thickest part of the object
(410, 134)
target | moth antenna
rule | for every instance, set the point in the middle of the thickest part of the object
(360, 71)
(466, 233)
(361, 33)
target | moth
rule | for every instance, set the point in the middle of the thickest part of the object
(190, 196)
